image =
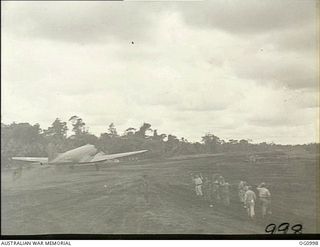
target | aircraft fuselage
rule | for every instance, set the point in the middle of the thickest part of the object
(77, 155)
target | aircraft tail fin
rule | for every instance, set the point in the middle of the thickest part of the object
(52, 152)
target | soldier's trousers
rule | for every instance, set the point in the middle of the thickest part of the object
(199, 190)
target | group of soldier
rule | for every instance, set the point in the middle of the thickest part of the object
(249, 199)
(216, 190)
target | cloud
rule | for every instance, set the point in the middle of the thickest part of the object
(289, 74)
(80, 22)
(248, 74)
(298, 39)
(266, 65)
(279, 107)
(90, 22)
(249, 17)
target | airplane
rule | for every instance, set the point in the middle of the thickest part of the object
(87, 154)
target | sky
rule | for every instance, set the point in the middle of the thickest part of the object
(236, 69)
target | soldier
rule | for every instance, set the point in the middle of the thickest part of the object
(252, 159)
(221, 182)
(17, 172)
(225, 193)
(207, 189)
(145, 188)
(215, 196)
(265, 199)
(198, 185)
(241, 189)
(250, 199)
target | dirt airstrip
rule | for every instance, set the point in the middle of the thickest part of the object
(84, 200)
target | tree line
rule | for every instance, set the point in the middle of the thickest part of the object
(24, 139)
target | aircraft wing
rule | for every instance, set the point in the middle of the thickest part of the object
(100, 157)
(32, 159)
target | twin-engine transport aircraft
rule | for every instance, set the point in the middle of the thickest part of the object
(87, 154)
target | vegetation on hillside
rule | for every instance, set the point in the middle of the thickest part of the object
(23, 139)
